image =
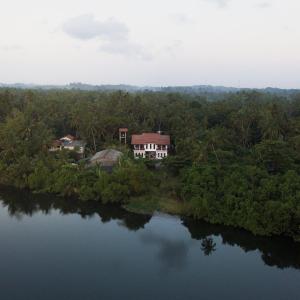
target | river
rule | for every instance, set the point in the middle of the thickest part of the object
(63, 249)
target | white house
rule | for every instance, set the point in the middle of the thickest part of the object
(150, 145)
(68, 142)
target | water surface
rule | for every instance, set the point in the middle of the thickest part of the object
(62, 249)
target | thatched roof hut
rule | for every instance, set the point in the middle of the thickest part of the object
(106, 158)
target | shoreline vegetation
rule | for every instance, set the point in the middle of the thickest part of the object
(235, 159)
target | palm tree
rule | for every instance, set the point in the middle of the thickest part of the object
(208, 246)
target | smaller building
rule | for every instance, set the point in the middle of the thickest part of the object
(107, 158)
(123, 135)
(68, 138)
(70, 143)
(150, 145)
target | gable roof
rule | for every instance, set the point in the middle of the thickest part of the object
(123, 129)
(150, 138)
(68, 137)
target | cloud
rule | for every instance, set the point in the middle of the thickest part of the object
(181, 19)
(172, 47)
(264, 5)
(127, 48)
(220, 3)
(86, 27)
(171, 253)
(11, 47)
(112, 35)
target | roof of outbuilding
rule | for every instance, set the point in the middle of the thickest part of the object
(123, 129)
(150, 138)
(77, 143)
(106, 157)
(68, 136)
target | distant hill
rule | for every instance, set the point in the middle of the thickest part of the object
(194, 89)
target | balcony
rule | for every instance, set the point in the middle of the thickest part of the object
(138, 147)
(161, 147)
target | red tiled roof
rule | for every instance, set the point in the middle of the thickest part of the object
(123, 129)
(150, 138)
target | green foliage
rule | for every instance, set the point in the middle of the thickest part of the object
(276, 156)
(244, 196)
(70, 180)
(233, 161)
(128, 180)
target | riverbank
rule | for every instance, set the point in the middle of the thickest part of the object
(149, 205)
(106, 246)
(146, 205)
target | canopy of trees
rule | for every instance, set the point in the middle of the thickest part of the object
(236, 160)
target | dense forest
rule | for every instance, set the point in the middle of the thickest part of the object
(234, 160)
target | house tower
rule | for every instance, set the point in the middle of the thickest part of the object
(123, 135)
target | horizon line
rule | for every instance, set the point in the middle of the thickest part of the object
(143, 86)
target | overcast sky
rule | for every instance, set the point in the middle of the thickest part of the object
(242, 43)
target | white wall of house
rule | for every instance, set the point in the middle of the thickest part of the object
(139, 153)
(72, 148)
(160, 152)
(53, 148)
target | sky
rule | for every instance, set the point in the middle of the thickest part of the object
(240, 43)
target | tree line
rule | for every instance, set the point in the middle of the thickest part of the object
(233, 161)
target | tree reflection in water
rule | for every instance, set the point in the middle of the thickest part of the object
(21, 203)
(276, 251)
(208, 246)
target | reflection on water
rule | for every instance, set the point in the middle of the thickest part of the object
(276, 251)
(20, 203)
(53, 248)
(172, 253)
(208, 246)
